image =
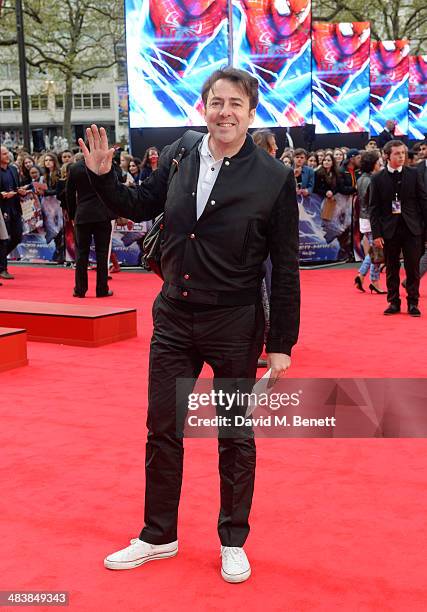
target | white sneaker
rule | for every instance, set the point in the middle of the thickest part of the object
(139, 552)
(235, 565)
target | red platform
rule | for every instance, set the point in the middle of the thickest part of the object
(13, 348)
(74, 324)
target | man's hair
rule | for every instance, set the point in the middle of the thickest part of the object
(390, 144)
(243, 79)
(300, 151)
(368, 161)
(262, 138)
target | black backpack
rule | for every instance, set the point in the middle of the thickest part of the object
(151, 245)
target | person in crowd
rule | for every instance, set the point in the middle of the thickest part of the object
(304, 175)
(398, 215)
(313, 160)
(338, 156)
(135, 170)
(368, 165)
(320, 155)
(422, 171)
(387, 134)
(244, 206)
(266, 140)
(125, 160)
(349, 173)
(149, 163)
(24, 173)
(287, 160)
(422, 152)
(92, 219)
(411, 158)
(326, 178)
(10, 192)
(67, 157)
(371, 145)
(51, 208)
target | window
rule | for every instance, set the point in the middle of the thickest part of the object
(106, 101)
(96, 100)
(43, 102)
(38, 102)
(77, 101)
(87, 101)
(6, 103)
(16, 103)
(59, 102)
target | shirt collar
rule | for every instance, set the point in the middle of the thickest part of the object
(247, 148)
(390, 169)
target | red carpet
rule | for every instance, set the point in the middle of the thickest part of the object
(336, 524)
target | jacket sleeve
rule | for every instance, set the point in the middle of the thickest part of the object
(71, 195)
(422, 199)
(310, 180)
(140, 203)
(374, 208)
(283, 237)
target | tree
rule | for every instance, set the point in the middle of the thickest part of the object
(68, 40)
(390, 19)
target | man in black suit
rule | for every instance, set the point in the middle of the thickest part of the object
(228, 205)
(398, 213)
(387, 134)
(91, 218)
(10, 208)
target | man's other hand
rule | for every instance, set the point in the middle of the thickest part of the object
(279, 363)
(98, 157)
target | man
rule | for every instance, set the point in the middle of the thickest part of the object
(10, 203)
(66, 157)
(349, 172)
(304, 174)
(398, 214)
(387, 134)
(91, 219)
(422, 154)
(371, 145)
(228, 205)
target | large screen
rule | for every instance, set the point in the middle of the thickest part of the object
(418, 97)
(271, 40)
(172, 47)
(389, 85)
(341, 77)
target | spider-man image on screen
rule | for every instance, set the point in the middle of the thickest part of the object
(418, 97)
(272, 41)
(172, 47)
(389, 85)
(341, 76)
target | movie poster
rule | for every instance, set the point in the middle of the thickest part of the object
(389, 85)
(272, 41)
(418, 97)
(172, 47)
(340, 77)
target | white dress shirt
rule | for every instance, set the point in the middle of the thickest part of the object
(209, 170)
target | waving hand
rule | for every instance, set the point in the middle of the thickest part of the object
(98, 157)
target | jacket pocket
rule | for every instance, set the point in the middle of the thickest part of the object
(246, 241)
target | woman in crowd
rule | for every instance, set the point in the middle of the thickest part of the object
(51, 208)
(125, 160)
(338, 156)
(266, 140)
(149, 162)
(326, 178)
(24, 170)
(369, 165)
(135, 170)
(313, 160)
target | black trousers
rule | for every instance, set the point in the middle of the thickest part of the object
(230, 340)
(412, 249)
(101, 232)
(13, 220)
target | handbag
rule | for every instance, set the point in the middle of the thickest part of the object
(152, 244)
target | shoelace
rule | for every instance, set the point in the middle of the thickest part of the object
(232, 551)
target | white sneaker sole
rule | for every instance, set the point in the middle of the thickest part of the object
(124, 565)
(236, 578)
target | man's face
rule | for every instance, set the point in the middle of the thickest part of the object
(4, 156)
(397, 156)
(423, 151)
(371, 146)
(390, 125)
(355, 160)
(299, 160)
(227, 113)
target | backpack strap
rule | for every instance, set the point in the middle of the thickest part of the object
(185, 145)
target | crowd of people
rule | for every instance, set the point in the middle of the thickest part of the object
(325, 172)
